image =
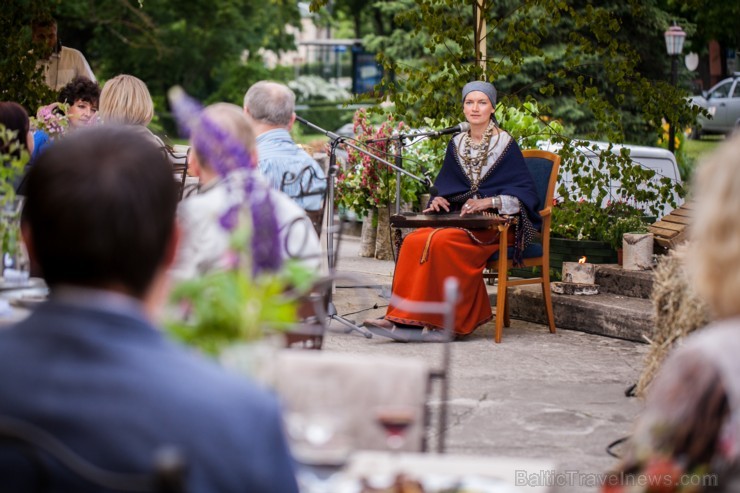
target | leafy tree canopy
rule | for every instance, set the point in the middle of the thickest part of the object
(601, 70)
(202, 45)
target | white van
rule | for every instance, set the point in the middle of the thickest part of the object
(662, 161)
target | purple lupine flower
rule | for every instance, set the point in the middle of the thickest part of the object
(230, 218)
(229, 157)
(266, 248)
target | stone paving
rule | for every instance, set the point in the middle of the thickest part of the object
(536, 395)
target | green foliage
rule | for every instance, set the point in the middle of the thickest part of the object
(683, 160)
(625, 224)
(20, 80)
(326, 102)
(595, 71)
(526, 125)
(714, 21)
(236, 78)
(200, 45)
(13, 159)
(365, 183)
(229, 306)
(583, 220)
(593, 181)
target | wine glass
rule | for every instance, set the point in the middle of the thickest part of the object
(395, 420)
(319, 445)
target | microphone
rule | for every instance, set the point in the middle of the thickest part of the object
(460, 127)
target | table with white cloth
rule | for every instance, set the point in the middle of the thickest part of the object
(377, 471)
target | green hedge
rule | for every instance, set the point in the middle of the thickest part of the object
(327, 116)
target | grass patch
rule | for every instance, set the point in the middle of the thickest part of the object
(697, 148)
(694, 150)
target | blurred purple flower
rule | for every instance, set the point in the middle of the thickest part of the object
(230, 158)
(229, 219)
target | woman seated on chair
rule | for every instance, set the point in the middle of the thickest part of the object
(125, 100)
(483, 171)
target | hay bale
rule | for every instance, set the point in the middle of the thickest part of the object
(678, 312)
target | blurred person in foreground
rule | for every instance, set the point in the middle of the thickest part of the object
(60, 63)
(270, 109)
(224, 177)
(88, 366)
(689, 433)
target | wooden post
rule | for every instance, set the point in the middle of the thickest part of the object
(479, 32)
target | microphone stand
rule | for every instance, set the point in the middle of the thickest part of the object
(336, 140)
(398, 158)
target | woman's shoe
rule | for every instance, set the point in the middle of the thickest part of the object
(386, 328)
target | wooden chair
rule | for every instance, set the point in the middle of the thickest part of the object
(543, 166)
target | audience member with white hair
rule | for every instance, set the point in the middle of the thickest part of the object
(270, 108)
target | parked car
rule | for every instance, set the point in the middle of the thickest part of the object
(723, 104)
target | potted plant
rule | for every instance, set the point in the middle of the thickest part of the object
(368, 187)
(621, 226)
(583, 228)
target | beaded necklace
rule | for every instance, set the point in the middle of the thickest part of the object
(473, 163)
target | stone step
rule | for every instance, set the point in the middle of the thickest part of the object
(612, 279)
(606, 314)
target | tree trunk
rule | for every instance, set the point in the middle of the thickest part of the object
(383, 245)
(369, 232)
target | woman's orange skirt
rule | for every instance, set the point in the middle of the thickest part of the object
(427, 257)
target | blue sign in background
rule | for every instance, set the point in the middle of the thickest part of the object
(366, 72)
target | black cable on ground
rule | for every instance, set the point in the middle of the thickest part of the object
(375, 306)
(616, 442)
(631, 391)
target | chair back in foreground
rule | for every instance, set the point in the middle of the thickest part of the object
(334, 402)
(31, 459)
(543, 166)
(353, 394)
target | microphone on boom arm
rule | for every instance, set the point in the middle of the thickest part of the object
(460, 127)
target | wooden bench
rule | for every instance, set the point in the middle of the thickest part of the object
(672, 230)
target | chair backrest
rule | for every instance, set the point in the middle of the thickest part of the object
(306, 184)
(179, 160)
(341, 397)
(543, 166)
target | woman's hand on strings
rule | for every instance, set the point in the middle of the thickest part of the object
(475, 206)
(438, 204)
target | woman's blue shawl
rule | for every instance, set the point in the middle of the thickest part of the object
(508, 176)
